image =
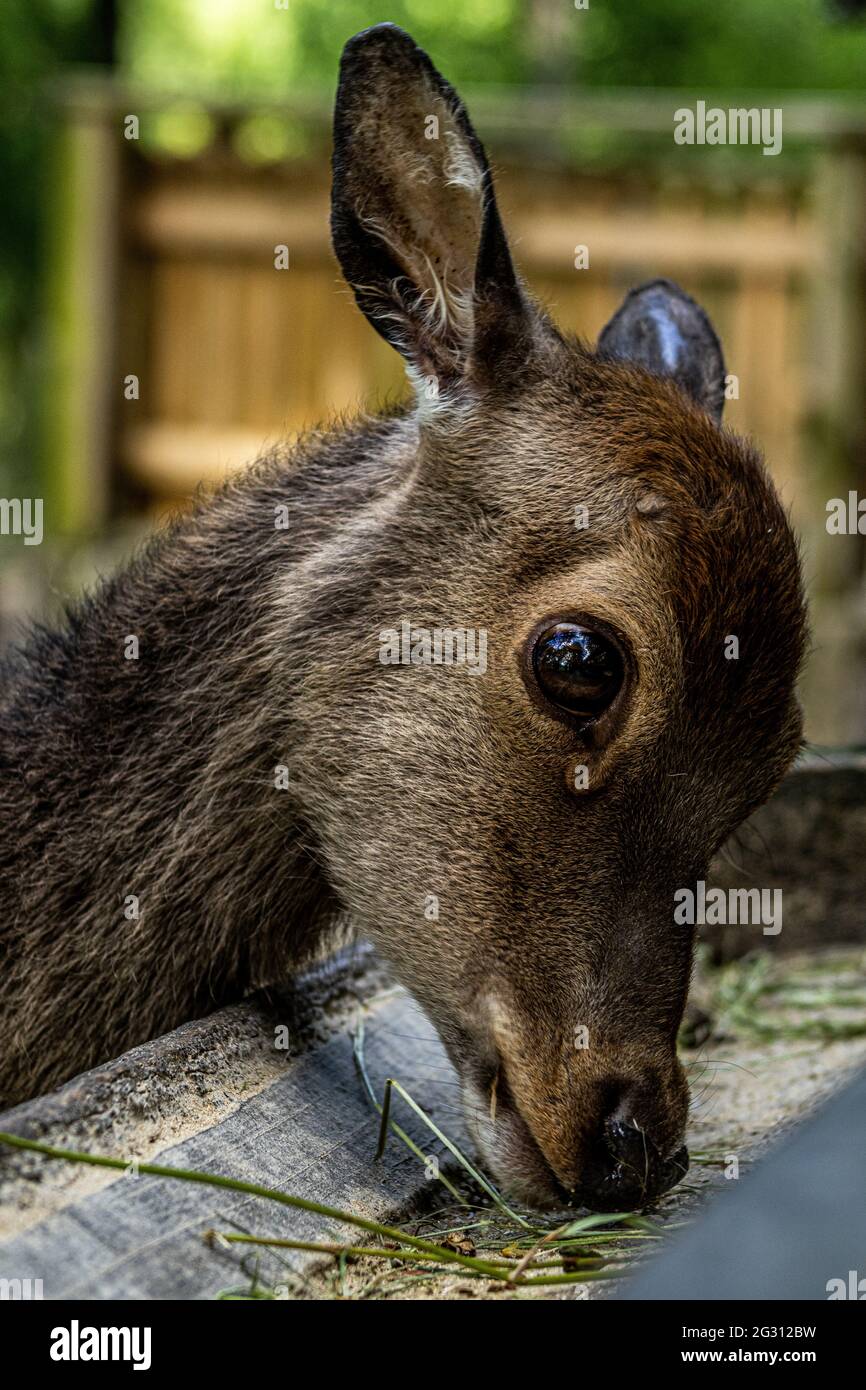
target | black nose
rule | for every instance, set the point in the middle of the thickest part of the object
(626, 1171)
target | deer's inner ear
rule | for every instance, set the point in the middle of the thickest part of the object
(413, 215)
(661, 328)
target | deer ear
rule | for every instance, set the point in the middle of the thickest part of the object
(660, 328)
(413, 217)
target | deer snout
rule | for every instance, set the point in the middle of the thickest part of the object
(625, 1170)
(603, 1131)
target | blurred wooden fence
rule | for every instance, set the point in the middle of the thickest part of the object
(168, 267)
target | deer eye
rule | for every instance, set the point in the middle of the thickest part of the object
(577, 669)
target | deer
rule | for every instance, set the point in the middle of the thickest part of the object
(263, 776)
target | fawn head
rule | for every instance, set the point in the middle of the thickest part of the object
(577, 530)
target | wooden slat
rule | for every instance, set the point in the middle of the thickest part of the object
(173, 459)
(236, 220)
(252, 222)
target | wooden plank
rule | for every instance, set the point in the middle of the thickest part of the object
(217, 1096)
(172, 459)
(167, 385)
(243, 221)
(665, 243)
(229, 219)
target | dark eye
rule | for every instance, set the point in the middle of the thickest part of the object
(578, 669)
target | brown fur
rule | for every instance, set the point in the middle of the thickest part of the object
(260, 647)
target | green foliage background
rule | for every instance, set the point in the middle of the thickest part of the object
(241, 44)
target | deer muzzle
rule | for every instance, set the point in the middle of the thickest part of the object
(598, 1126)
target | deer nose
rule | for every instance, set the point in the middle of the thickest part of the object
(625, 1170)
